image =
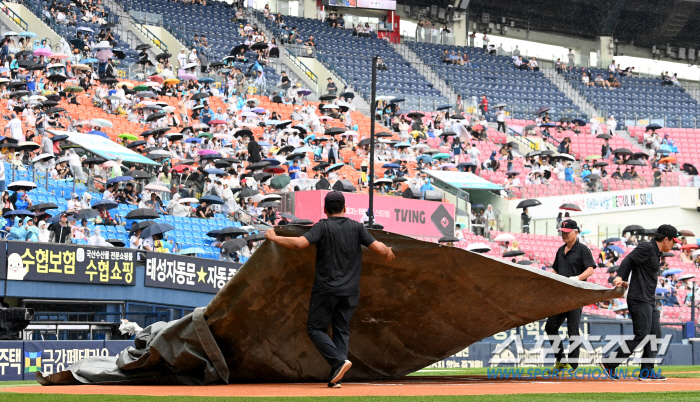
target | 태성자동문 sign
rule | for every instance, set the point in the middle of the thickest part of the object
(172, 271)
(51, 262)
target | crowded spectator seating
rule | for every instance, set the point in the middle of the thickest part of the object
(498, 78)
(350, 57)
(68, 32)
(638, 98)
(685, 141)
(213, 20)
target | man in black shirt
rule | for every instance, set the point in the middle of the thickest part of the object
(61, 231)
(336, 290)
(574, 261)
(643, 264)
(331, 87)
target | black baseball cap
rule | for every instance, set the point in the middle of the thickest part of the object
(668, 231)
(334, 199)
(568, 225)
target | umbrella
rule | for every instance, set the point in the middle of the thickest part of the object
(448, 239)
(280, 182)
(593, 177)
(689, 246)
(600, 164)
(528, 203)
(686, 277)
(18, 212)
(21, 185)
(524, 262)
(334, 167)
(611, 240)
(119, 179)
(212, 199)
(43, 206)
(653, 127)
(444, 107)
(614, 268)
(603, 136)
(515, 253)
(632, 228)
(668, 255)
(570, 207)
(673, 271)
(156, 187)
(142, 213)
(42, 157)
(156, 228)
(616, 249)
(246, 193)
(478, 248)
(504, 237)
(661, 291)
(634, 162)
(233, 245)
(107, 204)
(542, 110)
(686, 233)
(622, 151)
(690, 169)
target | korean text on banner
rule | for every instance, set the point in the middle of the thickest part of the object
(172, 271)
(50, 262)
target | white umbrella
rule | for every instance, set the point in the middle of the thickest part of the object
(567, 156)
(86, 29)
(504, 237)
(186, 200)
(303, 183)
(385, 97)
(156, 187)
(37, 98)
(103, 45)
(686, 276)
(331, 107)
(272, 197)
(10, 33)
(479, 248)
(189, 65)
(42, 157)
(55, 65)
(169, 109)
(419, 146)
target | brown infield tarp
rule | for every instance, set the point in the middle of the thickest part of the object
(430, 302)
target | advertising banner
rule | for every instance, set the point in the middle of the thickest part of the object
(172, 271)
(49, 262)
(609, 201)
(398, 215)
(11, 359)
(53, 356)
(104, 147)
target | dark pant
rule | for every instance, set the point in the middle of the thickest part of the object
(573, 318)
(501, 124)
(331, 159)
(325, 310)
(645, 321)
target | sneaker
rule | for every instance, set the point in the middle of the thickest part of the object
(609, 371)
(653, 376)
(340, 371)
(336, 385)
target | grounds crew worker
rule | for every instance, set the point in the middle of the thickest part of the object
(336, 289)
(575, 261)
(643, 264)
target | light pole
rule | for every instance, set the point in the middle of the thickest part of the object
(372, 112)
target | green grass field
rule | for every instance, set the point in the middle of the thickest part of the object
(669, 371)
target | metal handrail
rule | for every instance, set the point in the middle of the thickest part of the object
(150, 35)
(14, 16)
(307, 71)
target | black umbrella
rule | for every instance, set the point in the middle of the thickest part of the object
(667, 254)
(632, 228)
(622, 151)
(514, 253)
(143, 46)
(55, 110)
(212, 199)
(259, 46)
(109, 80)
(86, 214)
(163, 56)
(57, 78)
(614, 268)
(347, 95)
(156, 228)
(232, 231)
(261, 177)
(327, 97)
(457, 117)
(301, 222)
(107, 204)
(640, 155)
(139, 174)
(321, 166)
(542, 110)
(690, 169)
(383, 134)
(570, 207)
(603, 136)
(247, 192)
(653, 127)
(43, 206)
(108, 25)
(524, 262)
(155, 116)
(136, 144)
(233, 245)
(256, 237)
(323, 184)
(142, 213)
(257, 165)
(49, 103)
(448, 239)
(600, 164)
(635, 162)
(593, 177)
(334, 131)
(444, 107)
(94, 160)
(415, 115)
(199, 95)
(528, 203)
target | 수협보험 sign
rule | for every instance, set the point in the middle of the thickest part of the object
(50, 262)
